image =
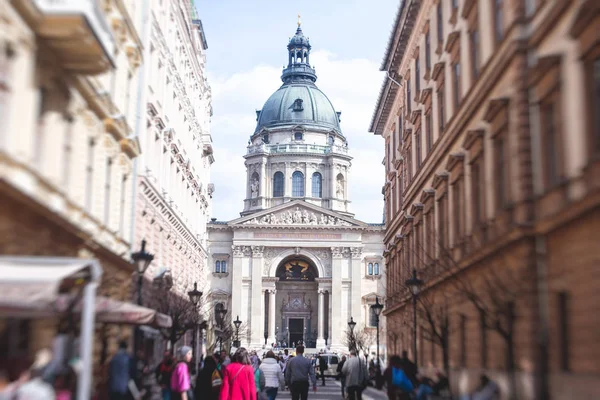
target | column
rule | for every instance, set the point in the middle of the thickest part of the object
(257, 323)
(272, 321)
(338, 324)
(356, 272)
(287, 181)
(236, 280)
(321, 320)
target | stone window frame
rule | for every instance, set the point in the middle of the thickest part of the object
(474, 145)
(545, 84)
(439, 12)
(417, 63)
(438, 75)
(584, 30)
(276, 193)
(454, 12)
(408, 158)
(416, 211)
(498, 11)
(497, 115)
(219, 258)
(373, 261)
(416, 121)
(409, 242)
(456, 167)
(470, 13)
(453, 48)
(408, 94)
(428, 64)
(440, 185)
(426, 100)
(429, 231)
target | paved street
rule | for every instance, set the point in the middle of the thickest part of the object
(332, 391)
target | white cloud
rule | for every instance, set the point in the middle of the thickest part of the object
(352, 86)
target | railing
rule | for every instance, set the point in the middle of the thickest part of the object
(296, 148)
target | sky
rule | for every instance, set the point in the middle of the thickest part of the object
(247, 42)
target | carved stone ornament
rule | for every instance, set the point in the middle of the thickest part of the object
(336, 252)
(257, 251)
(297, 217)
(238, 251)
(356, 252)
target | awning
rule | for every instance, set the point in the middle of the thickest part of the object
(30, 290)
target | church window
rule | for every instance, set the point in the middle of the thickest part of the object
(317, 185)
(298, 184)
(298, 136)
(376, 269)
(298, 105)
(370, 269)
(372, 317)
(278, 184)
(218, 267)
(265, 138)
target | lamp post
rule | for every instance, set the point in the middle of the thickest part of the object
(351, 325)
(377, 308)
(220, 312)
(195, 296)
(142, 260)
(237, 324)
(414, 285)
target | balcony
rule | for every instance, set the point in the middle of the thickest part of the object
(296, 148)
(76, 30)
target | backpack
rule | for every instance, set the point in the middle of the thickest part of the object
(216, 379)
(400, 380)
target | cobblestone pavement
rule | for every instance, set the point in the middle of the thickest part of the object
(332, 391)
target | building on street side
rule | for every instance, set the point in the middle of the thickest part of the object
(489, 115)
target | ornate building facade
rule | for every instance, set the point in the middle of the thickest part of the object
(297, 265)
(68, 73)
(173, 192)
(489, 113)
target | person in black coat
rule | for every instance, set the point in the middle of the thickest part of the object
(204, 383)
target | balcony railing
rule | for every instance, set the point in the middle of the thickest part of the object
(296, 148)
(76, 29)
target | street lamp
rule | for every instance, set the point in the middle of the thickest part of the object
(195, 296)
(142, 260)
(377, 308)
(220, 312)
(351, 325)
(414, 285)
(237, 324)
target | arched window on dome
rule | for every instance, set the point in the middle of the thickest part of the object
(278, 184)
(299, 57)
(317, 185)
(298, 184)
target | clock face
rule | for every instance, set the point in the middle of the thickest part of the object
(296, 270)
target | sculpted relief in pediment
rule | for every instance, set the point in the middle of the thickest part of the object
(297, 217)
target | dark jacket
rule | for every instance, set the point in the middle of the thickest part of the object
(204, 388)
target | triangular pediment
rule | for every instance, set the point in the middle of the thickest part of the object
(298, 213)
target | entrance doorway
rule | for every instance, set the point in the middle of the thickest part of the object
(296, 330)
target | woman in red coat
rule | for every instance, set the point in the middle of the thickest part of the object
(238, 378)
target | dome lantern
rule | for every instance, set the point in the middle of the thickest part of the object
(298, 69)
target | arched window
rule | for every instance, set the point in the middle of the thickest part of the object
(372, 317)
(370, 269)
(317, 185)
(298, 184)
(278, 184)
(218, 267)
(223, 266)
(376, 269)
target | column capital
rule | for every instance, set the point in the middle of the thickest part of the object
(238, 251)
(336, 252)
(272, 292)
(322, 291)
(257, 251)
(356, 252)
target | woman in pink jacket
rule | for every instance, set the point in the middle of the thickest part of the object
(238, 378)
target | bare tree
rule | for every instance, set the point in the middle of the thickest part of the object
(360, 340)
(434, 310)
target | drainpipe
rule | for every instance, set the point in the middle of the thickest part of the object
(141, 106)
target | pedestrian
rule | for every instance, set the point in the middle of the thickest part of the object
(163, 375)
(209, 381)
(259, 379)
(273, 375)
(119, 369)
(487, 390)
(34, 386)
(394, 391)
(342, 376)
(298, 372)
(323, 368)
(238, 378)
(356, 374)
(224, 360)
(181, 388)
(142, 374)
(409, 368)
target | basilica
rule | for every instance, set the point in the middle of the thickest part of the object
(297, 266)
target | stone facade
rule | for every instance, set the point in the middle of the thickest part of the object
(488, 184)
(68, 76)
(173, 192)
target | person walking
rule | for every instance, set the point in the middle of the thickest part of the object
(119, 369)
(273, 375)
(163, 375)
(298, 372)
(409, 368)
(356, 374)
(238, 378)
(342, 376)
(209, 381)
(180, 378)
(323, 368)
(395, 392)
(259, 379)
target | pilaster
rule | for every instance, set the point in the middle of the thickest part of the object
(257, 316)
(356, 286)
(337, 322)
(236, 280)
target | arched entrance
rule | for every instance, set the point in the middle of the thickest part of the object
(297, 298)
